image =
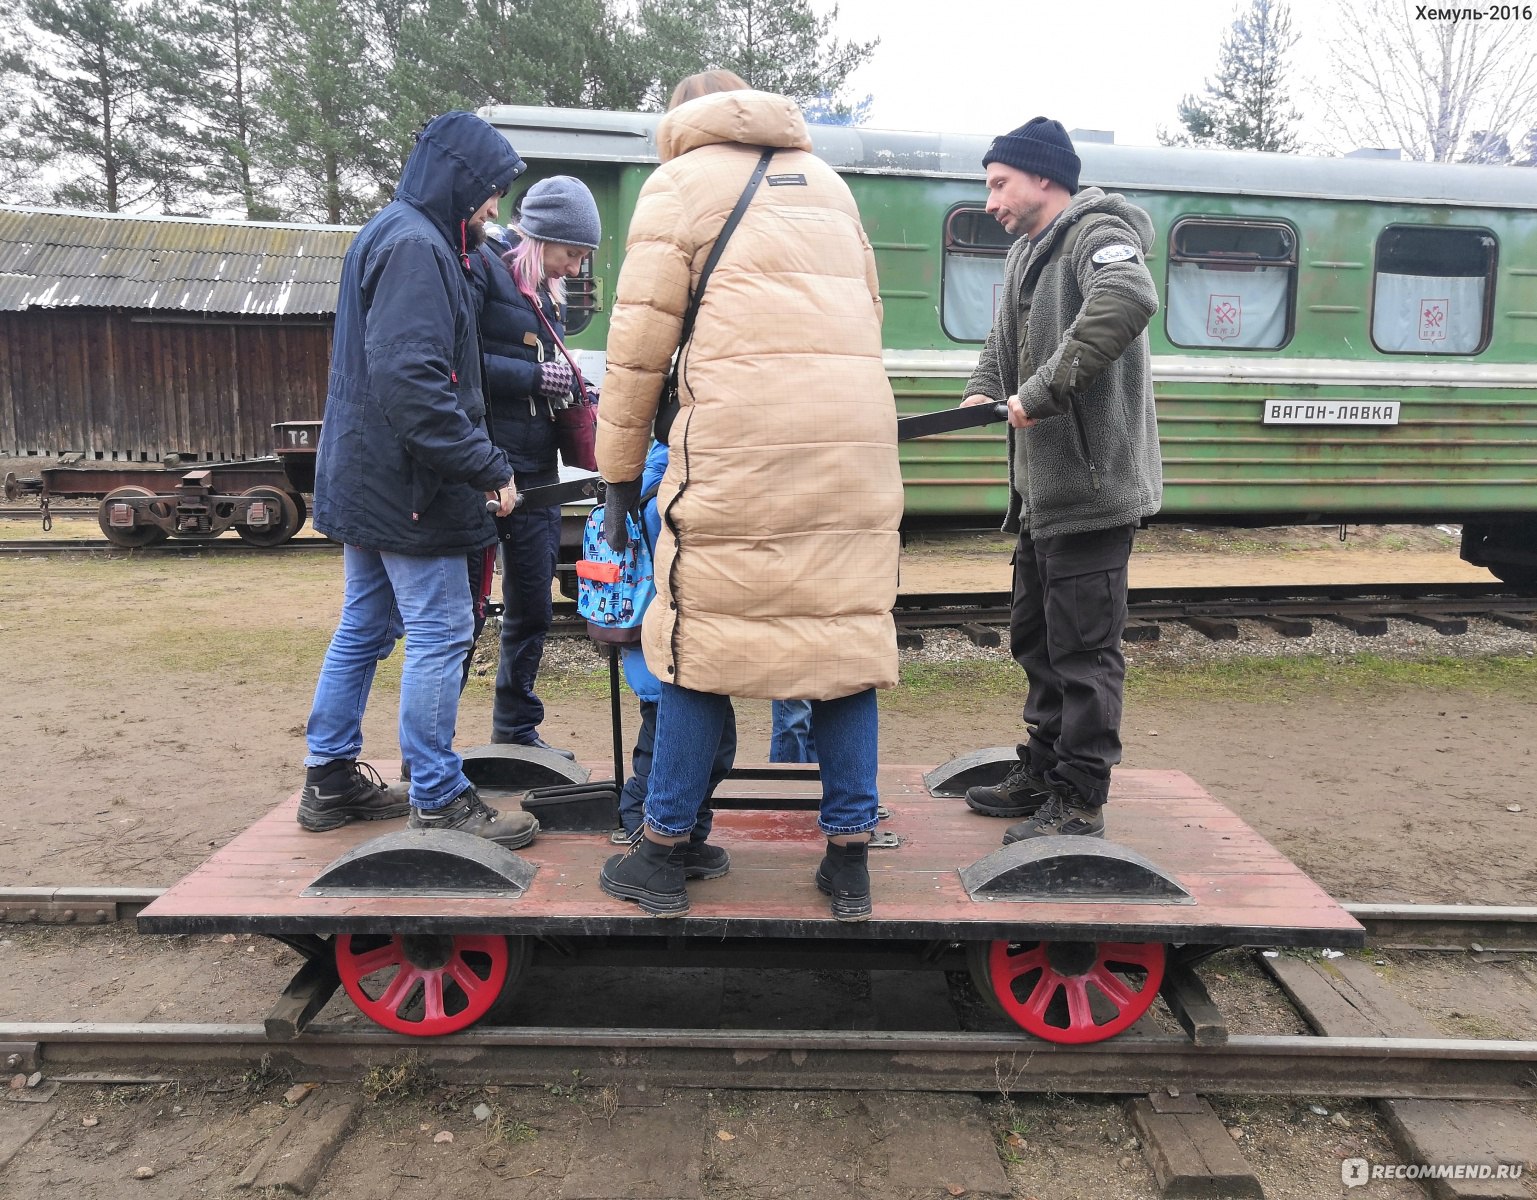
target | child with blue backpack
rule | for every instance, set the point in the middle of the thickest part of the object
(701, 860)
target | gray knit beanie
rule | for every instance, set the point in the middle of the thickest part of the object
(1040, 147)
(561, 209)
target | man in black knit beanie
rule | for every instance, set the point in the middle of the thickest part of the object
(1068, 351)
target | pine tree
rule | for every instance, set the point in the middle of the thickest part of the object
(1247, 106)
(1526, 155)
(213, 69)
(468, 53)
(323, 131)
(825, 110)
(1488, 147)
(775, 45)
(21, 157)
(101, 111)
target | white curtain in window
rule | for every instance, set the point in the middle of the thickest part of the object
(973, 289)
(1431, 314)
(1244, 309)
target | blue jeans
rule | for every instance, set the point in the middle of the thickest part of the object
(632, 797)
(530, 544)
(790, 739)
(689, 725)
(387, 595)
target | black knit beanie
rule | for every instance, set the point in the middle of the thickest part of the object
(1041, 147)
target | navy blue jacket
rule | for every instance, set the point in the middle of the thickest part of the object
(520, 421)
(404, 456)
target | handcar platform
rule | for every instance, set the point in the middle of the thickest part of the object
(1071, 938)
(1241, 890)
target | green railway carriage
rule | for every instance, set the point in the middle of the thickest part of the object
(1340, 340)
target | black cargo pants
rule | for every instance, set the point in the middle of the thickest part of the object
(1065, 626)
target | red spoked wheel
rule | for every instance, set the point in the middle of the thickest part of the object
(425, 985)
(1072, 992)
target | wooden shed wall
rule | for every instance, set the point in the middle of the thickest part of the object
(122, 385)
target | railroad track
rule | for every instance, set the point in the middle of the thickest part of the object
(1294, 611)
(1294, 1065)
(812, 1059)
(219, 545)
(33, 512)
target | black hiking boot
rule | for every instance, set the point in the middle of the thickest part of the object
(468, 813)
(844, 874)
(1021, 794)
(1066, 813)
(346, 790)
(650, 874)
(701, 860)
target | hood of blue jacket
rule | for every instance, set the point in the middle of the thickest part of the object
(457, 163)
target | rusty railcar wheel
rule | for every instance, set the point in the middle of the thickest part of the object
(134, 534)
(283, 519)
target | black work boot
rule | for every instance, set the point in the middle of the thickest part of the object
(468, 813)
(844, 874)
(701, 860)
(346, 790)
(1066, 813)
(1021, 794)
(650, 874)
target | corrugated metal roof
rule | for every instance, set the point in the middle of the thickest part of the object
(54, 259)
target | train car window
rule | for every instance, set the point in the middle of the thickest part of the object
(1433, 290)
(581, 299)
(1231, 284)
(975, 247)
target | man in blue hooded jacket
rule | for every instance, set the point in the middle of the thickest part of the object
(403, 472)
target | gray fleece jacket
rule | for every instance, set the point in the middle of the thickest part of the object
(1071, 341)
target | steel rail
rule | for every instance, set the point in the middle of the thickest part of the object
(1448, 926)
(1388, 926)
(218, 545)
(992, 608)
(37, 514)
(1408, 1068)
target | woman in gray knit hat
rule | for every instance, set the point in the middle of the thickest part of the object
(520, 275)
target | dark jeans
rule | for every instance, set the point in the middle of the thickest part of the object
(689, 727)
(530, 544)
(632, 797)
(1069, 612)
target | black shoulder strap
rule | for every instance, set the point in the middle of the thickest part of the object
(716, 250)
(668, 409)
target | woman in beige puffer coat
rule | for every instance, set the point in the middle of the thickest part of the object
(776, 567)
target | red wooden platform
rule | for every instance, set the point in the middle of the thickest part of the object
(1245, 891)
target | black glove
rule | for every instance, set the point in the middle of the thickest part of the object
(619, 499)
(555, 379)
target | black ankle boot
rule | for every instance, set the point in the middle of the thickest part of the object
(844, 874)
(650, 874)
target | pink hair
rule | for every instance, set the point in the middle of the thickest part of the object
(526, 262)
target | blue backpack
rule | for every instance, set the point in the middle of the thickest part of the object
(613, 590)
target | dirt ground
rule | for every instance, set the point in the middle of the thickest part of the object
(154, 707)
(171, 695)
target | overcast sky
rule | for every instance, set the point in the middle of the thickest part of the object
(985, 66)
